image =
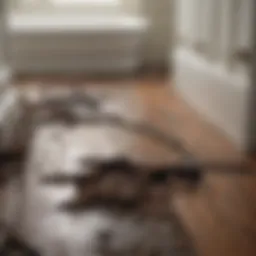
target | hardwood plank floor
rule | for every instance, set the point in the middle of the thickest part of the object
(221, 215)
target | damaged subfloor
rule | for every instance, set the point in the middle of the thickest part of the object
(220, 216)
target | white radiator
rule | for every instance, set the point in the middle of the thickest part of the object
(69, 43)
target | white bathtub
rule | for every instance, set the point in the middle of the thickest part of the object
(76, 43)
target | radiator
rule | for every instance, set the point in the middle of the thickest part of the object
(76, 44)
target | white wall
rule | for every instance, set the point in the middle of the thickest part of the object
(208, 76)
(132, 7)
(158, 39)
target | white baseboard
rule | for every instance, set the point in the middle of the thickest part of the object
(219, 95)
(48, 44)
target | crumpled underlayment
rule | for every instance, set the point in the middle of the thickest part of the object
(116, 100)
(59, 149)
(52, 231)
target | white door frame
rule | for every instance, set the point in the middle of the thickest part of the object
(205, 77)
(251, 132)
(5, 69)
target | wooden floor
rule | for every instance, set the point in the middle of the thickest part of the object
(221, 215)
